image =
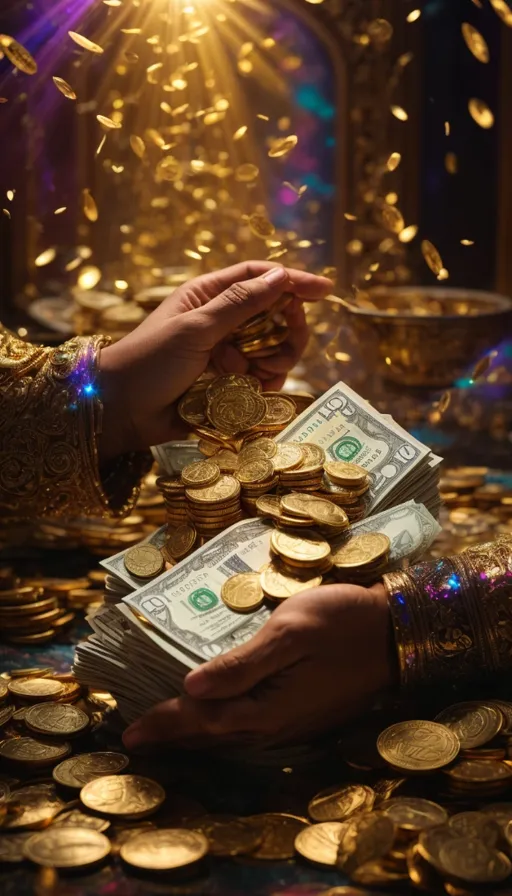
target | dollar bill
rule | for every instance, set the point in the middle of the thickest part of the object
(173, 456)
(349, 429)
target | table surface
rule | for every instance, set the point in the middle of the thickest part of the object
(218, 785)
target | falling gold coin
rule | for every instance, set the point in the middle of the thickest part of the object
(482, 367)
(45, 257)
(246, 173)
(138, 146)
(393, 218)
(502, 9)
(480, 113)
(432, 257)
(260, 226)
(89, 206)
(108, 123)
(283, 146)
(243, 592)
(399, 113)
(64, 88)
(85, 43)
(475, 42)
(18, 55)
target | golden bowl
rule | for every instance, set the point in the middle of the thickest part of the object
(428, 336)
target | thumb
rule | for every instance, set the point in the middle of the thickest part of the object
(241, 301)
(236, 672)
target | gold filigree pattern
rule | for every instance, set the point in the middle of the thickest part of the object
(50, 417)
(453, 617)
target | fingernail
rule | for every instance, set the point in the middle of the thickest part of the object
(276, 275)
(133, 736)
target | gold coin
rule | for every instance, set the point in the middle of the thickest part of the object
(418, 746)
(279, 585)
(481, 113)
(472, 861)
(289, 456)
(338, 803)
(77, 819)
(26, 595)
(67, 847)
(38, 689)
(501, 813)
(475, 824)
(31, 807)
(479, 771)
(278, 832)
(264, 444)
(144, 561)
(475, 43)
(29, 609)
(6, 714)
(57, 719)
(269, 505)
(192, 408)
(280, 410)
(260, 226)
(124, 796)
(255, 471)
(243, 592)
(226, 460)
(78, 770)
(85, 43)
(362, 550)
(18, 55)
(200, 474)
(226, 380)
(207, 448)
(411, 814)
(319, 843)
(367, 837)
(348, 475)
(320, 510)
(392, 218)
(282, 146)
(474, 723)
(164, 849)
(227, 835)
(432, 257)
(12, 847)
(234, 410)
(306, 548)
(34, 752)
(226, 488)
(181, 541)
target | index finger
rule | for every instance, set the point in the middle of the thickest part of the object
(304, 285)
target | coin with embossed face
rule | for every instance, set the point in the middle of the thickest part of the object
(243, 592)
(79, 770)
(200, 473)
(235, 409)
(306, 548)
(58, 719)
(362, 550)
(471, 860)
(164, 849)
(278, 832)
(346, 474)
(180, 542)
(337, 803)
(67, 847)
(475, 824)
(474, 723)
(418, 746)
(289, 456)
(128, 796)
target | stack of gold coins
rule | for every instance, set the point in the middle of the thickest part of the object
(173, 491)
(28, 615)
(302, 509)
(262, 335)
(300, 466)
(362, 558)
(305, 555)
(212, 508)
(256, 478)
(346, 484)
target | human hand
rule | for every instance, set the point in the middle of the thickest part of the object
(322, 657)
(143, 374)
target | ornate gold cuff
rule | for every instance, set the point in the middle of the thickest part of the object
(452, 618)
(50, 417)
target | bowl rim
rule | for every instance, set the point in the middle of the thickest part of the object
(499, 304)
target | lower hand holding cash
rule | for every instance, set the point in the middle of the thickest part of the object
(303, 673)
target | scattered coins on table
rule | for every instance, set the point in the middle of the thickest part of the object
(431, 808)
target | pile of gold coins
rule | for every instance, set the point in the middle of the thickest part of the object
(38, 610)
(302, 561)
(262, 335)
(431, 810)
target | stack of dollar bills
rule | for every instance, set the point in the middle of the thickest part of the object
(148, 637)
